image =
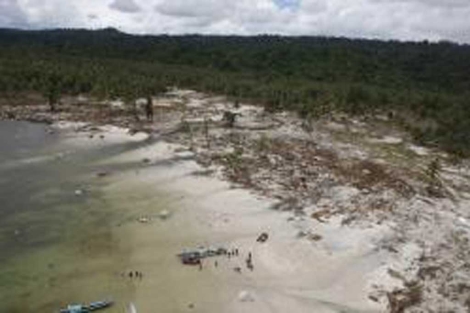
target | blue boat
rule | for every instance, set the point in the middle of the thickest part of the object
(99, 305)
(80, 308)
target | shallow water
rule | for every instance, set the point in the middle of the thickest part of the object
(55, 246)
(58, 247)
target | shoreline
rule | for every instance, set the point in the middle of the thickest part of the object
(345, 207)
(219, 215)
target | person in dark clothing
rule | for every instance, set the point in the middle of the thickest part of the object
(249, 261)
(149, 109)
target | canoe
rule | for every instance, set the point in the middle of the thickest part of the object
(80, 308)
(99, 305)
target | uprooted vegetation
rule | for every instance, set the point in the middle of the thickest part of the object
(300, 166)
(402, 299)
(343, 167)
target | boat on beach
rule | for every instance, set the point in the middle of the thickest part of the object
(93, 306)
(194, 257)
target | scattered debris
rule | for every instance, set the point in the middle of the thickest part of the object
(315, 237)
(396, 275)
(245, 296)
(402, 299)
(301, 234)
(164, 214)
(373, 298)
(131, 308)
(320, 215)
(144, 219)
(262, 238)
(102, 174)
(59, 156)
(229, 118)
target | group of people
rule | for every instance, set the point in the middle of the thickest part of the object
(233, 252)
(135, 274)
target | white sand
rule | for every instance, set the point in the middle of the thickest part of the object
(291, 274)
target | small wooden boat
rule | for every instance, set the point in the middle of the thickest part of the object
(194, 257)
(99, 305)
(80, 308)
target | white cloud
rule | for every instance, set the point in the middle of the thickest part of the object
(126, 6)
(50, 13)
(11, 14)
(215, 9)
(387, 19)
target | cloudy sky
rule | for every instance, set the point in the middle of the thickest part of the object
(388, 19)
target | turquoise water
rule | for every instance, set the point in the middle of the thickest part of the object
(54, 244)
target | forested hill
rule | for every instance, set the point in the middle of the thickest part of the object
(428, 83)
(440, 66)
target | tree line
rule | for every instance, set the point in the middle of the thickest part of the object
(424, 86)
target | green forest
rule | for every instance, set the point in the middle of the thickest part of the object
(424, 86)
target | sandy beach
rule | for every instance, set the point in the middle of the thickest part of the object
(288, 273)
(343, 204)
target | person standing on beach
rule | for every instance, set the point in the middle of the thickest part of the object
(249, 262)
(149, 109)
